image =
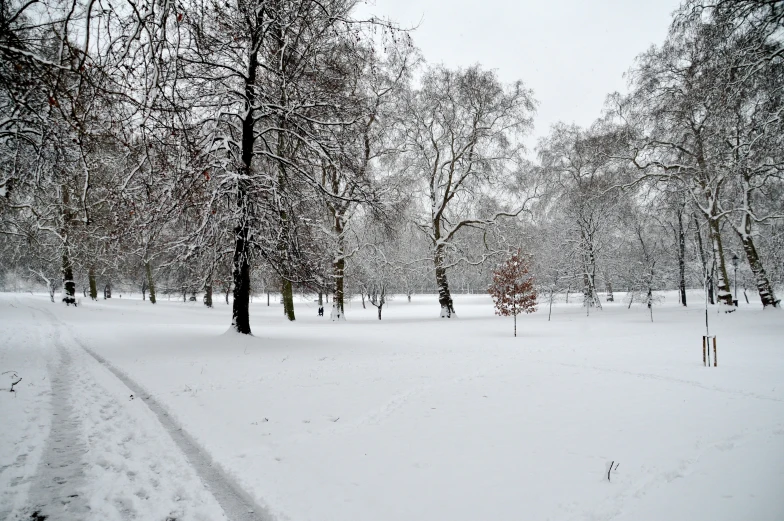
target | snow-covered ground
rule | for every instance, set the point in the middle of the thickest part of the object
(410, 418)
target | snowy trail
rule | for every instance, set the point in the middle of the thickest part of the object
(109, 455)
(236, 503)
(61, 472)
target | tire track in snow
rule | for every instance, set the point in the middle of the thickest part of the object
(55, 488)
(236, 503)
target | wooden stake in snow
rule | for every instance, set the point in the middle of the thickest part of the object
(706, 347)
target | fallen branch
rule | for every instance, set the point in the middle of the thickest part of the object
(13, 375)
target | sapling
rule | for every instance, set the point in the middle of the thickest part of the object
(513, 289)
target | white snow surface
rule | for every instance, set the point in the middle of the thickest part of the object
(412, 417)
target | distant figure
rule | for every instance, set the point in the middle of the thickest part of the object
(321, 311)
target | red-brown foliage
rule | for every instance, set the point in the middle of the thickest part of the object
(513, 288)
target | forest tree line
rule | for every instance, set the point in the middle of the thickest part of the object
(198, 146)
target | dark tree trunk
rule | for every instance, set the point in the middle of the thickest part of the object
(681, 258)
(240, 314)
(107, 291)
(150, 282)
(338, 271)
(288, 300)
(69, 286)
(339, 264)
(208, 295)
(144, 288)
(93, 286)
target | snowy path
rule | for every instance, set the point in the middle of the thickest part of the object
(235, 502)
(105, 454)
(61, 473)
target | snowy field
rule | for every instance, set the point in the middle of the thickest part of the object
(410, 418)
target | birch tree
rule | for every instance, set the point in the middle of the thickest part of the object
(463, 133)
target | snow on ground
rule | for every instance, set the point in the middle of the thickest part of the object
(413, 417)
(74, 444)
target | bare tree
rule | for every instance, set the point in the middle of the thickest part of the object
(463, 137)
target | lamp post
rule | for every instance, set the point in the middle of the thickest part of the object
(735, 260)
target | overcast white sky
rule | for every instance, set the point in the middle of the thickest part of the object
(572, 53)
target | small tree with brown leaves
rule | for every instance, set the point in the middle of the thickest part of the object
(513, 289)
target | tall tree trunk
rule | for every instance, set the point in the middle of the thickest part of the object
(707, 271)
(767, 297)
(590, 297)
(208, 294)
(150, 282)
(69, 286)
(681, 258)
(724, 290)
(587, 292)
(444, 296)
(240, 314)
(338, 272)
(743, 229)
(339, 263)
(93, 285)
(288, 299)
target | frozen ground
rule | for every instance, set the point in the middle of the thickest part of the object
(413, 417)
